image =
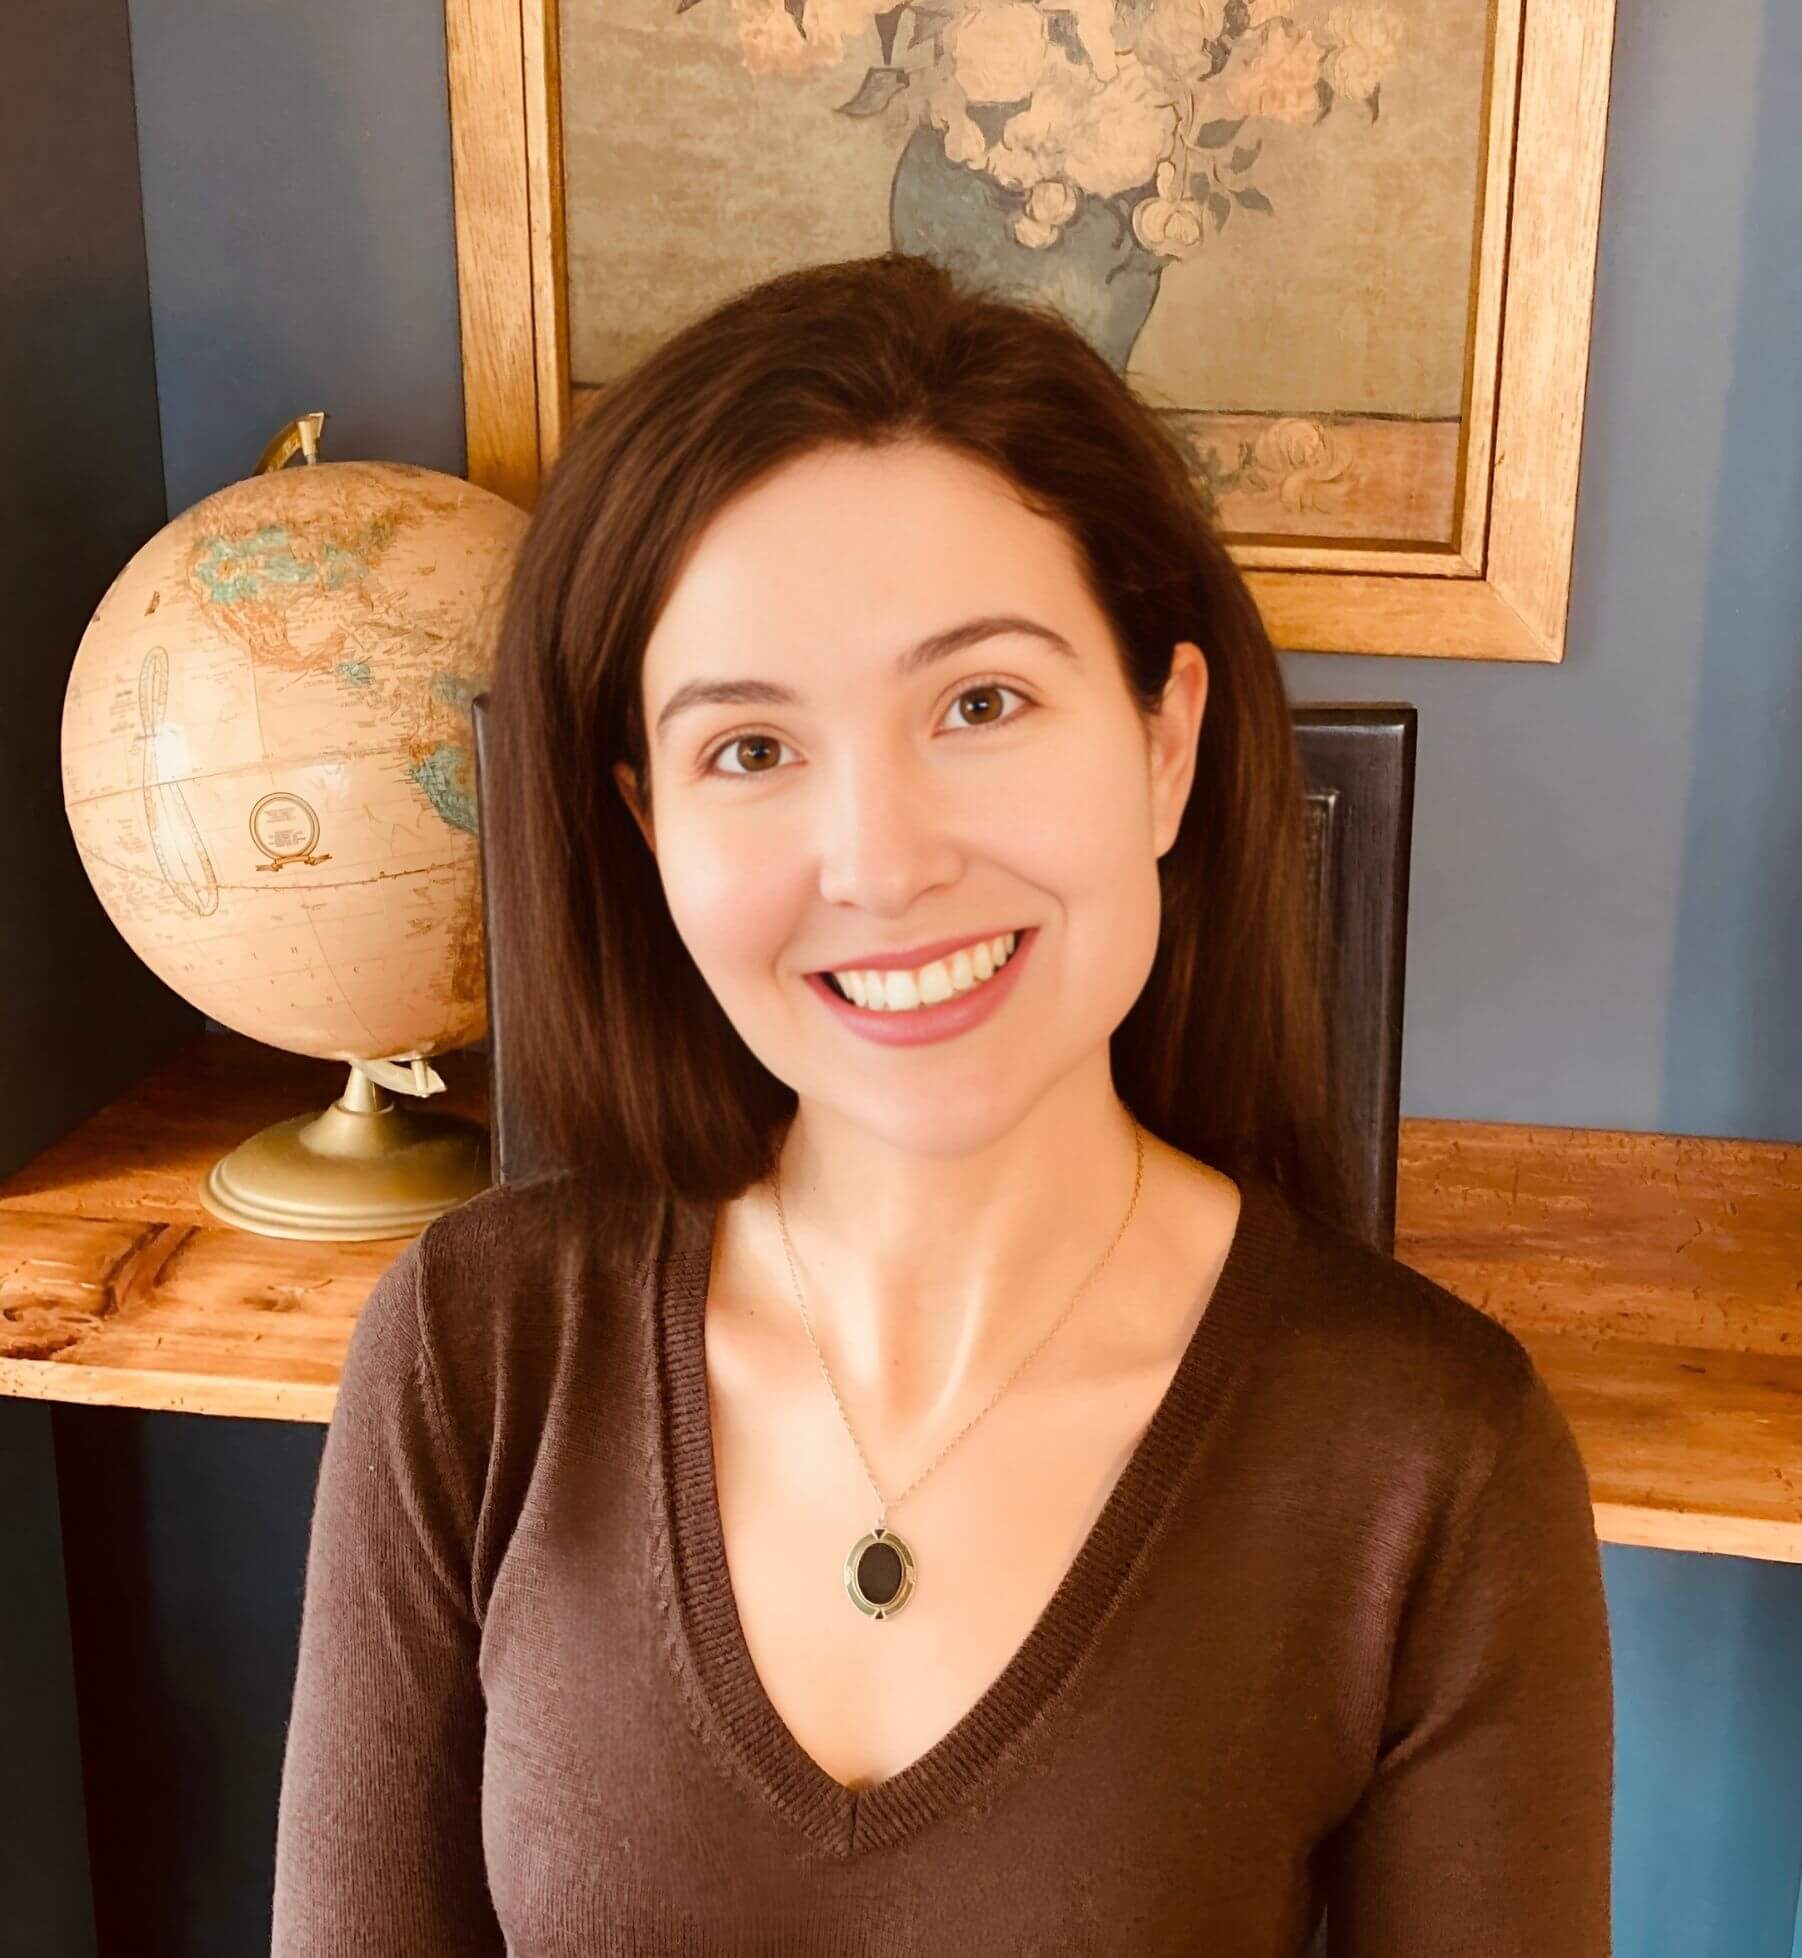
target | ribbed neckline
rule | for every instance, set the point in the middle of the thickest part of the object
(703, 1610)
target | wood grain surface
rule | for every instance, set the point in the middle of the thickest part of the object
(119, 1287)
(1657, 1282)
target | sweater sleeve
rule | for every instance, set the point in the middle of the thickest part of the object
(378, 1833)
(1485, 1830)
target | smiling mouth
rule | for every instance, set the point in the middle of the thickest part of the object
(1020, 934)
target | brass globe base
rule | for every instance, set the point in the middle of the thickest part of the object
(365, 1168)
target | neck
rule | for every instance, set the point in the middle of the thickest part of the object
(929, 1274)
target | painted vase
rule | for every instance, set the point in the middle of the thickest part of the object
(1097, 275)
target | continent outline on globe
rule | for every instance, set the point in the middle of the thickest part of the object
(279, 681)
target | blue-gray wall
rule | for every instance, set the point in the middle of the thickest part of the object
(296, 167)
(81, 486)
(1607, 914)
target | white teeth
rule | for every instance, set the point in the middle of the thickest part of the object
(898, 991)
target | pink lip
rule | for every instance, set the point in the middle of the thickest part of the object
(943, 1021)
(940, 948)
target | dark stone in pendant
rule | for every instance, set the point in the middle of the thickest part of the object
(879, 1573)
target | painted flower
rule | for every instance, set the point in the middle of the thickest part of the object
(997, 50)
(772, 44)
(1273, 73)
(1093, 22)
(1166, 223)
(1175, 35)
(1101, 137)
(1363, 41)
(1098, 119)
(1050, 205)
(1297, 458)
(947, 108)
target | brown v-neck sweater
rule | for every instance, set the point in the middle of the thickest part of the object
(1336, 1641)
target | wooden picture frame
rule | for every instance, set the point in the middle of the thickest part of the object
(1500, 591)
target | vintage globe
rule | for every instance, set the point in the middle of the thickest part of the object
(268, 773)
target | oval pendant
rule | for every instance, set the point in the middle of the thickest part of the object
(879, 1573)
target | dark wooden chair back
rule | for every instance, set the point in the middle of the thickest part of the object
(1358, 764)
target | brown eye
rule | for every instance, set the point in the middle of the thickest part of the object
(752, 742)
(736, 747)
(990, 692)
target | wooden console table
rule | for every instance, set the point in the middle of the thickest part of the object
(1656, 1279)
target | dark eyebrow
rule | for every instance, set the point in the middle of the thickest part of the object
(937, 646)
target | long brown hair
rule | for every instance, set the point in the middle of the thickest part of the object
(615, 1043)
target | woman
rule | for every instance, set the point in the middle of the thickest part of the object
(926, 1473)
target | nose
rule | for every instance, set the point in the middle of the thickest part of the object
(889, 831)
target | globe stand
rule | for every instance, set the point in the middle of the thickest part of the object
(365, 1168)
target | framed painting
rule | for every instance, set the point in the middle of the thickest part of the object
(1347, 249)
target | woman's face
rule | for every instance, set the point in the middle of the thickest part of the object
(823, 794)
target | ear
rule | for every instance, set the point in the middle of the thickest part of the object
(627, 784)
(1175, 730)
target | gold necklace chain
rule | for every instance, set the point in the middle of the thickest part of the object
(788, 1247)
